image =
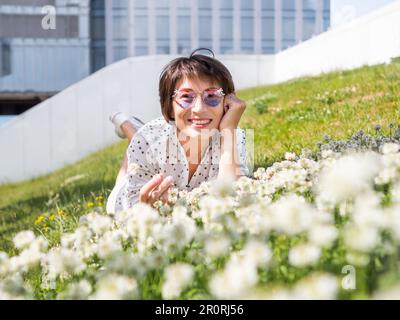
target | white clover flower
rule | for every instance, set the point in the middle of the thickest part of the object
(40, 244)
(116, 287)
(304, 255)
(390, 148)
(392, 215)
(367, 211)
(357, 258)
(216, 246)
(99, 223)
(14, 288)
(361, 238)
(257, 252)
(222, 187)
(62, 262)
(391, 293)
(317, 286)
(325, 154)
(177, 277)
(322, 235)
(77, 291)
(4, 261)
(108, 245)
(348, 176)
(290, 156)
(238, 277)
(292, 215)
(255, 219)
(23, 239)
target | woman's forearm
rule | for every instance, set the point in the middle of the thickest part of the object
(229, 165)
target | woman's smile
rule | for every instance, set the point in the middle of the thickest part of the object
(200, 122)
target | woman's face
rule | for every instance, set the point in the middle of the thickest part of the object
(199, 119)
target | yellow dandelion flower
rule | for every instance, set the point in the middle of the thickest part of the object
(39, 220)
(90, 204)
(52, 217)
(99, 198)
(100, 204)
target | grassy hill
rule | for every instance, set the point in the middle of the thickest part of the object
(285, 117)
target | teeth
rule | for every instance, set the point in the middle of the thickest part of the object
(200, 121)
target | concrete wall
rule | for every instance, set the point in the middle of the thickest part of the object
(367, 40)
(74, 123)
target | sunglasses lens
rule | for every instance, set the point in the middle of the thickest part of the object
(185, 99)
(212, 98)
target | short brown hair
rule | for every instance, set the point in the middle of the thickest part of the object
(196, 66)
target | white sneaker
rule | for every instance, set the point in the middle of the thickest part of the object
(119, 118)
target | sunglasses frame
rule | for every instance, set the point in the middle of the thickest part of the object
(176, 91)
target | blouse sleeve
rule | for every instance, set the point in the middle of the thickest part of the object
(142, 166)
(241, 141)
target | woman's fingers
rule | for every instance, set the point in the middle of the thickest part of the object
(163, 187)
(149, 186)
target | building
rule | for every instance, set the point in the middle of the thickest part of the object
(37, 61)
(123, 28)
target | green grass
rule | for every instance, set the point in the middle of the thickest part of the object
(297, 117)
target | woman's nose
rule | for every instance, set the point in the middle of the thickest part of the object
(198, 104)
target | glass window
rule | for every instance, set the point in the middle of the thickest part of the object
(95, 4)
(308, 28)
(247, 27)
(5, 62)
(141, 50)
(140, 4)
(120, 4)
(268, 4)
(288, 5)
(309, 5)
(288, 32)
(162, 48)
(162, 27)
(120, 52)
(98, 60)
(97, 30)
(184, 46)
(268, 28)
(205, 27)
(226, 4)
(120, 26)
(162, 4)
(327, 5)
(247, 35)
(226, 26)
(204, 4)
(141, 29)
(246, 4)
(183, 3)
(183, 27)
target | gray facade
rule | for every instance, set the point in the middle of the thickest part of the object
(36, 60)
(147, 27)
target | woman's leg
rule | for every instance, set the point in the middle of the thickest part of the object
(129, 130)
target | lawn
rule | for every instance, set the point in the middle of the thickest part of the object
(285, 117)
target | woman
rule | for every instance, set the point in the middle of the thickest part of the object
(197, 138)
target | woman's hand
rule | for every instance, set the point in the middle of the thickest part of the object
(233, 110)
(156, 189)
